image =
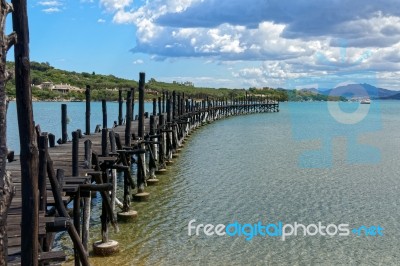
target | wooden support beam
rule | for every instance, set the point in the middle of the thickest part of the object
(28, 144)
(62, 211)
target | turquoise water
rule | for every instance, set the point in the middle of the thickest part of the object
(257, 168)
(48, 116)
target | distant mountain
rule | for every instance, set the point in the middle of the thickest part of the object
(392, 97)
(312, 90)
(358, 90)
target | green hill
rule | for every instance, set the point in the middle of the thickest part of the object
(103, 86)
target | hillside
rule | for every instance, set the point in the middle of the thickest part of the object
(106, 86)
(391, 97)
(359, 90)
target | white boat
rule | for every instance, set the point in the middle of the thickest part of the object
(365, 101)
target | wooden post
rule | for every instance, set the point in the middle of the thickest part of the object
(133, 104)
(159, 105)
(173, 105)
(168, 110)
(64, 133)
(153, 148)
(154, 106)
(163, 142)
(128, 119)
(104, 142)
(28, 145)
(75, 153)
(77, 223)
(56, 189)
(43, 144)
(163, 102)
(128, 182)
(104, 109)
(52, 140)
(87, 200)
(178, 103)
(87, 93)
(120, 119)
(6, 184)
(113, 144)
(141, 172)
(77, 199)
(141, 105)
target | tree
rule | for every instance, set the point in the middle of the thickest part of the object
(37, 80)
(7, 189)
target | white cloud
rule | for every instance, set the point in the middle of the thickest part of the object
(100, 20)
(50, 3)
(138, 62)
(52, 6)
(115, 5)
(290, 39)
(51, 10)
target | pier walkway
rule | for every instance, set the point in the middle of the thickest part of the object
(70, 172)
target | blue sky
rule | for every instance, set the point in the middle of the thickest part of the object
(221, 43)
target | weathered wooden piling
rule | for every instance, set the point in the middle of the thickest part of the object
(75, 153)
(87, 113)
(173, 105)
(133, 104)
(163, 102)
(105, 246)
(43, 144)
(104, 110)
(64, 122)
(128, 122)
(158, 139)
(154, 106)
(120, 103)
(141, 169)
(159, 106)
(28, 145)
(87, 199)
(152, 150)
(162, 146)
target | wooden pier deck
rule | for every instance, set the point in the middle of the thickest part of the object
(159, 136)
(62, 159)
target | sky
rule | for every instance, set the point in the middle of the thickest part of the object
(222, 43)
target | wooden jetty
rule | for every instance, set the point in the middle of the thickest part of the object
(71, 171)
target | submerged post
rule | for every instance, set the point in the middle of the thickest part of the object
(87, 93)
